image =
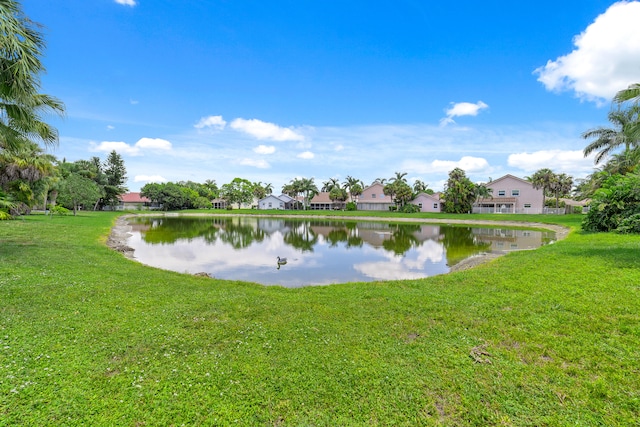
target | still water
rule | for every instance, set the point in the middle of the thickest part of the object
(317, 252)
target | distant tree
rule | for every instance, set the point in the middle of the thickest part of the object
(239, 191)
(338, 194)
(419, 187)
(329, 185)
(77, 191)
(543, 179)
(116, 175)
(561, 187)
(400, 176)
(459, 193)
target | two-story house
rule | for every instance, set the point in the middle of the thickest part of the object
(511, 194)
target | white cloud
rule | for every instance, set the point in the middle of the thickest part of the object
(466, 163)
(260, 163)
(556, 160)
(307, 155)
(265, 149)
(119, 146)
(133, 101)
(460, 109)
(605, 60)
(110, 127)
(215, 122)
(132, 150)
(126, 2)
(149, 178)
(153, 143)
(264, 130)
(339, 147)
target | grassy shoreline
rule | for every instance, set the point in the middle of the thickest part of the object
(546, 337)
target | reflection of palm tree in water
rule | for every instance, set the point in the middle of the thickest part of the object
(402, 239)
(301, 236)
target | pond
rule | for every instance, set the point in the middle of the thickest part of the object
(317, 251)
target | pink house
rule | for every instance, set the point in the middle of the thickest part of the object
(133, 201)
(428, 202)
(511, 194)
(374, 199)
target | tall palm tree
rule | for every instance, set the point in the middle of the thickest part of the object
(400, 176)
(607, 140)
(330, 184)
(544, 179)
(352, 184)
(561, 186)
(21, 104)
(632, 93)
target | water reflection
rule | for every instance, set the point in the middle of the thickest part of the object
(317, 251)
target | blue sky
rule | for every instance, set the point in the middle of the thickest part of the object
(274, 90)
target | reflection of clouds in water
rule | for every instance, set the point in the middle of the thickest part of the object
(429, 251)
(212, 257)
(401, 268)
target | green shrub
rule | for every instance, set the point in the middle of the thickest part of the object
(351, 206)
(410, 208)
(60, 210)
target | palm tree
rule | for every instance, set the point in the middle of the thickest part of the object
(624, 133)
(308, 189)
(632, 93)
(329, 185)
(352, 184)
(419, 186)
(543, 178)
(561, 186)
(400, 176)
(21, 104)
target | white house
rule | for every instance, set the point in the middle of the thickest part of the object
(282, 201)
(511, 194)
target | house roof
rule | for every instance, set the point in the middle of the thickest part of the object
(133, 198)
(321, 197)
(508, 176)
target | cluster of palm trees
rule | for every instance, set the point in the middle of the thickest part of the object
(22, 161)
(617, 148)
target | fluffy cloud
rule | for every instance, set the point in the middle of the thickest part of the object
(460, 109)
(557, 160)
(307, 155)
(153, 143)
(127, 2)
(466, 163)
(118, 146)
(605, 60)
(214, 122)
(265, 149)
(260, 164)
(149, 178)
(264, 130)
(132, 150)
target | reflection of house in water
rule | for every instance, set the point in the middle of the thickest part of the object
(502, 240)
(375, 234)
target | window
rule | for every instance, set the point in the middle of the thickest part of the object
(420, 206)
(435, 206)
(527, 205)
(515, 192)
(373, 196)
(502, 193)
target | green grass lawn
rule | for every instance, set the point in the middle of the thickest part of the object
(535, 338)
